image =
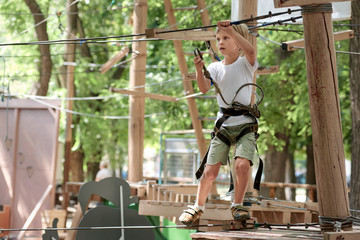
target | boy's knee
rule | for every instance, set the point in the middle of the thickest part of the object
(242, 165)
(209, 176)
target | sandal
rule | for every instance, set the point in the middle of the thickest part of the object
(190, 216)
(240, 213)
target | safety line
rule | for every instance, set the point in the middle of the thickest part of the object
(256, 225)
(109, 227)
(87, 40)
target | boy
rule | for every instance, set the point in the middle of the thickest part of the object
(230, 74)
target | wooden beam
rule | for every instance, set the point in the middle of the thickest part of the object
(106, 66)
(205, 19)
(192, 35)
(194, 112)
(300, 43)
(293, 3)
(267, 70)
(145, 95)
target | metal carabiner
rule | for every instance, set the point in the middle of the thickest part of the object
(197, 53)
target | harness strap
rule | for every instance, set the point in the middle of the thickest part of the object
(216, 133)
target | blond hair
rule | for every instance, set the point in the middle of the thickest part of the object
(243, 30)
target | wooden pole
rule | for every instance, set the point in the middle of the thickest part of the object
(70, 57)
(137, 103)
(325, 111)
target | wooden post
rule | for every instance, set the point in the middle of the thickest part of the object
(325, 111)
(70, 57)
(137, 103)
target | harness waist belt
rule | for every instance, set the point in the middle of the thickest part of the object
(233, 112)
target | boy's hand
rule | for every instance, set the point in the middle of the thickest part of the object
(225, 26)
(199, 63)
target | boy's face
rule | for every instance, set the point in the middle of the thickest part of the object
(226, 44)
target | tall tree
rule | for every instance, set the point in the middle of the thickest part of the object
(45, 64)
(355, 109)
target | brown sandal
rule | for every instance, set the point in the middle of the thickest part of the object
(190, 216)
(240, 213)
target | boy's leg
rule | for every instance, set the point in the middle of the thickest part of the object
(194, 212)
(242, 167)
(206, 181)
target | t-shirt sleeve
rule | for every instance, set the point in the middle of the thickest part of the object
(213, 71)
(252, 68)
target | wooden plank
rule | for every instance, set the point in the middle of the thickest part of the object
(293, 3)
(273, 203)
(291, 185)
(106, 66)
(348, 235)
(170, 209)
(34, 212)
(192, 35)
(258, 234)
(145, 94)
(267, 70)
(300, 43)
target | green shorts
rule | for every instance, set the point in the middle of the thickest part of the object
(245, 147)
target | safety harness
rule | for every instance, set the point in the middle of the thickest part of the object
(236, 109)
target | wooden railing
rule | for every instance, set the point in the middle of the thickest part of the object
(275, 185)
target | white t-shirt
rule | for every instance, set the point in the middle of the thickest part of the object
(230, 78)
(103, 173)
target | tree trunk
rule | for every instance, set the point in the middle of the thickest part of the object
(355, 110)
(76, 167)
(45, 65)
(84, 48)
(275, 162)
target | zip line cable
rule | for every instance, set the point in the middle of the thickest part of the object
(87, 114)
(87, 40)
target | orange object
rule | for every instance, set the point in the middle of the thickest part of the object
(4, 219)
